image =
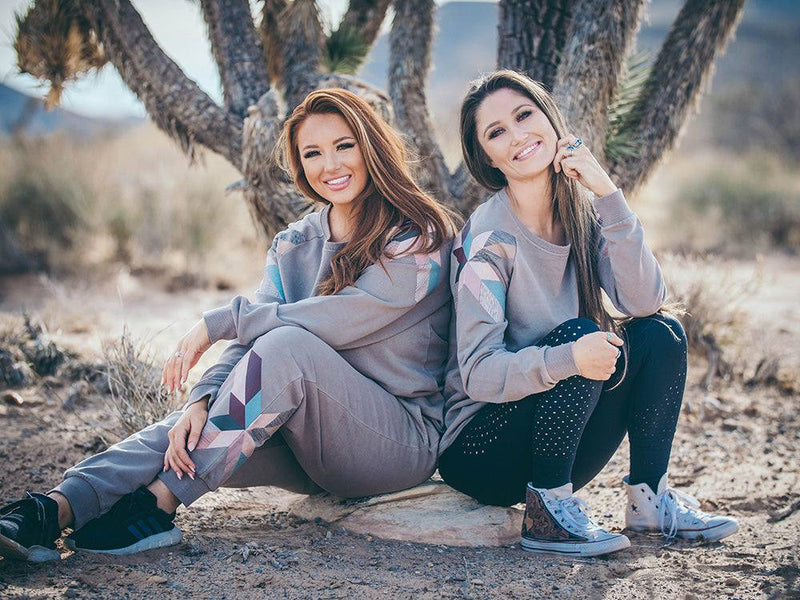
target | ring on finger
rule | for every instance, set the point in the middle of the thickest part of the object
(608, 336)
(575, 145)
(178, 354)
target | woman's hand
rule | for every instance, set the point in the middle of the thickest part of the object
(185, 433)
(190, 348)
(579, 163)
(596, 354)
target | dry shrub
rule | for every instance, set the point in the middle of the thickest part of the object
(136, 397)
(711, 293)
(739, 207)
(46, 206)
(130, 197)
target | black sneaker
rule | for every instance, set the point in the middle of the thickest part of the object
(133, 524)
(29, 529)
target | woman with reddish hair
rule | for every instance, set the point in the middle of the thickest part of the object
(333, 378)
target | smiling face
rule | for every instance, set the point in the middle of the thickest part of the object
(515, 134)
(331, 158)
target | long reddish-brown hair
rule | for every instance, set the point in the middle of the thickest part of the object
(391, 200)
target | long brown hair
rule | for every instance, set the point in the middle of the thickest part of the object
(390, 200)
(571, 206)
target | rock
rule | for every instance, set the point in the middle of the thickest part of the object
(431, 513)
(732, 582)
(13, 398)
(157, 579)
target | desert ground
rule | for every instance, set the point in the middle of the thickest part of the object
(137, 270)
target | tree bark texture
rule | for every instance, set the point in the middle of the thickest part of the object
(272, 199)
(237, 52)
(172, 100)
(592, 64)
(680, 74)
(409, 63)
(531, 35)
(366, 17)
(271, 37)
(303, 41)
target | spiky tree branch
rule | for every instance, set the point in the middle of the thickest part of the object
(365, 17)
(592, 65)
(173, 101)
(271, 37)
(409, 62)
(237, 51)
(679, 76)
(531, 35)
(303, 41)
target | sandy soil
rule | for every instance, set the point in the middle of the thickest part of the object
(736, 449)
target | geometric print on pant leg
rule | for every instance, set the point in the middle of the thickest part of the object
(238, 427)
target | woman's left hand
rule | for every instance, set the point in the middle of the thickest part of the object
(190, 348)
(579, 163)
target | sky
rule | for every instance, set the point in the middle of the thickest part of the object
(178, 27)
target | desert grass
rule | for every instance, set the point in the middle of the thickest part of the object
(130, 199)
(734, 206)
(136, 397)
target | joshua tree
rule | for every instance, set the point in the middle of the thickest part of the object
(577, 48)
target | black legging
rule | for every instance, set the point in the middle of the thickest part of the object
(571, 431)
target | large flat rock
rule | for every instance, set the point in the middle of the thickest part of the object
(432, 513)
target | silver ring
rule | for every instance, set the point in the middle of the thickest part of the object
(618, 352)
(178, 354)
(575, 145)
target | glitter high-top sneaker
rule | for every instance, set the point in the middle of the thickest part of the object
(673, 513)
(555, 522)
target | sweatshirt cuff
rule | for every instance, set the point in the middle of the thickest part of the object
(201, 391)
(220, 324)
(560, 362)
(612, 208)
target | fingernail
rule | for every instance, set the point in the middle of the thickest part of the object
(179, 476)
(191, 467)
(165, 469)
(191, 476)
(191, 446)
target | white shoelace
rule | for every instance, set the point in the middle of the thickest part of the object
(574, 510)
(673, 503)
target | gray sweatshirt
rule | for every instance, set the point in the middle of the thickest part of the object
(391, 325)
(511, 288)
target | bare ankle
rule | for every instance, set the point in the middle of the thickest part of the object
(165, 499)
(65, 515)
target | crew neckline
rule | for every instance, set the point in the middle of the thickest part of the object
(325, 226)
(537, 241)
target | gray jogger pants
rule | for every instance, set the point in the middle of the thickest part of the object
(337, 430)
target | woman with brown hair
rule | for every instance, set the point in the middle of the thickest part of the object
(549, 382)
(333, 381)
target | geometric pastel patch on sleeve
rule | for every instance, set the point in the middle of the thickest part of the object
(272, 284)
(485, 263)
(429, 265)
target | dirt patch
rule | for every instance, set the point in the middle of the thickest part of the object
(736, 449)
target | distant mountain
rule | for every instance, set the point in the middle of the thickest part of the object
(19, 110)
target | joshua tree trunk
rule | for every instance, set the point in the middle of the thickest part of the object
(578, 48)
